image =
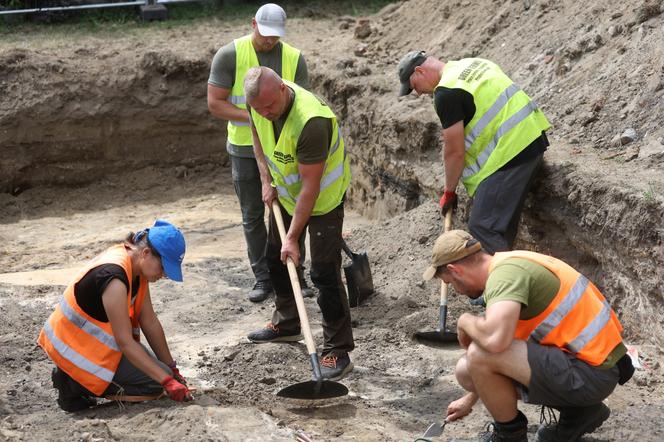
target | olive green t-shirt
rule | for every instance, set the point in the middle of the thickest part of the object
(534, 287)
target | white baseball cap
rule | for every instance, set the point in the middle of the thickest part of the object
(271, 20)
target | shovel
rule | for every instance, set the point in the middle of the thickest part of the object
(434, 430)
(441, 335)
(358, 276)
(319, 388)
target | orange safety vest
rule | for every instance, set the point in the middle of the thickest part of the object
(579, 320)
(82, 346)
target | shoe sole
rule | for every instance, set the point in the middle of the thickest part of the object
(294, 338)
(343, 374)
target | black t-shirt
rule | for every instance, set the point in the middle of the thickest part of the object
(454, 105)
(89, 289)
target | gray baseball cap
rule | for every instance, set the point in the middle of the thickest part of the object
(407, 66)
(271, 20)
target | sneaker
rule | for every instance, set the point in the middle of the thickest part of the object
(67, 399)
(334, 367)
(574, 422)
(271, 333)
(261, 291)
(495, 432)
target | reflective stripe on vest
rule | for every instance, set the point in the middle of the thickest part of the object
(84, 347)
(87, 326)
(239, 132)
(281, 154)
(578, 320)
(506, 120)
(76, 358)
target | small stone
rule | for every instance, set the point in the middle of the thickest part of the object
(615, 30)
(628, 136)
(363, 28)
(268, 381)
(361, 49)
(231, 355)
(201, 353)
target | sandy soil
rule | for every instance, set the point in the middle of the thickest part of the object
(398, 385)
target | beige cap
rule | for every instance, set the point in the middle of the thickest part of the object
(449, 247)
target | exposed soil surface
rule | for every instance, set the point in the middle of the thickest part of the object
(100, 135)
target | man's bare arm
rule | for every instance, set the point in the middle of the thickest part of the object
(453, 155)
(220, 107)
(493, 332)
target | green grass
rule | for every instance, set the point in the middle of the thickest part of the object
(125, 20)
(649, 194)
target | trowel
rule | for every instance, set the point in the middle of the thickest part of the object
(434, 430)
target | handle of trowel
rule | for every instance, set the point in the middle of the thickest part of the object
(297, 292)
(442, 317)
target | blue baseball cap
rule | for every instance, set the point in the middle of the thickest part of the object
(168, 241)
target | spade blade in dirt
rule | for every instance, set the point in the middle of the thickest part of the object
(437, 338)
(314, 390)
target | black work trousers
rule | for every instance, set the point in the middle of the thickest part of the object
(325, 247)
(497, 205)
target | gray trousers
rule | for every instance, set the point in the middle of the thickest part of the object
(247, 183)
(127, 378)
(497, 204)
(133, 381)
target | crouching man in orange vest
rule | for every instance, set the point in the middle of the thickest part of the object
(93, 334)
(548, 337)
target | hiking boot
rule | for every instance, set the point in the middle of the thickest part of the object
(69, 400)
(574, 422)
(261, 291)
(334, 367)
(271, 333)
(495, 432)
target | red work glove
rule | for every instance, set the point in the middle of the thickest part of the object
(178, 377)
(448, 201)
(176, 390)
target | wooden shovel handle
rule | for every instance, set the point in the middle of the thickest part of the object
(443, 286)
(295, 282)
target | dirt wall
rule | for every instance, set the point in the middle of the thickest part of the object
(99, 112)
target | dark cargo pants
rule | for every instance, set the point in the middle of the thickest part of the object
(325, 248)
(497, 205)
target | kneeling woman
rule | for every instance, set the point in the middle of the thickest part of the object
(93, 334)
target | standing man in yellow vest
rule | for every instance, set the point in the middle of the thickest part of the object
(548, 337)
(226, 101)
(494, 139)
(302, 161)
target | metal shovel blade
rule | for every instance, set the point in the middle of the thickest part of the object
(314, 390)
(434, 430)
(437, 337)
